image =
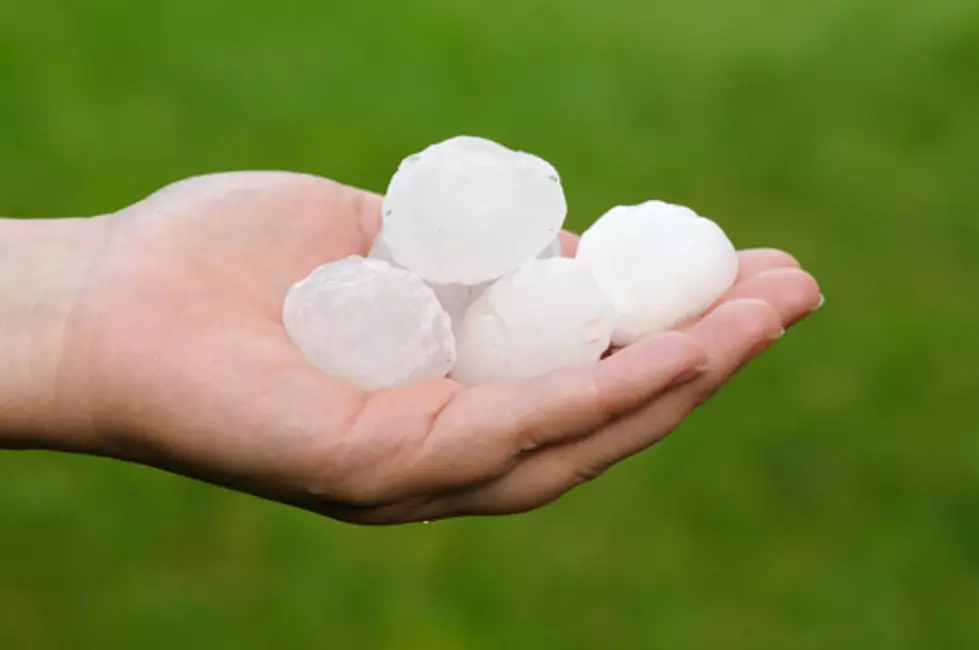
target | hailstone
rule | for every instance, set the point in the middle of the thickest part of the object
(469, 210)
(660, 264)
(547, 315)
(372, 324)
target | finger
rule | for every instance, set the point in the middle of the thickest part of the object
(400, 457)
(791, 291)
(786, 293)
(734, 334)
(753, 261)
(567, 404)
(792, 294)
(484, 431)
(731, 335)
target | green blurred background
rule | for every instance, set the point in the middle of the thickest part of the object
(828, 498)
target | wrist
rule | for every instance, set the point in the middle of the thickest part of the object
(45, 265)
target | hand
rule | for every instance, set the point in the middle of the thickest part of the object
(173, 355)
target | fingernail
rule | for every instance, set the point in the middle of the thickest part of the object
(822, 301)
(701, 369)
(778, 335)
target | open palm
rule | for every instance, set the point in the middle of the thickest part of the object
(179, 338)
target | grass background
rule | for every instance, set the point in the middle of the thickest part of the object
(828, 498)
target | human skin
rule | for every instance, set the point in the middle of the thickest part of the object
(154, 335)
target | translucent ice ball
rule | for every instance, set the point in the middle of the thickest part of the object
(659, 264)
(547, 315)
(370, 323)
(468, 210)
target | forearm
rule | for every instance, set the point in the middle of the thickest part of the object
(44, 265)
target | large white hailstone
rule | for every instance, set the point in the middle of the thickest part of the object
(370, 323)
(660, 264)
(547, 315)
(469, 210)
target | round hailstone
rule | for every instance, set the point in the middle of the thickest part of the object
(370, 323)
(547, 315)
(469, 210)
(659, 264)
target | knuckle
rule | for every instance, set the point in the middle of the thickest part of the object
(585, 473)
(598, 397)
(704, 392)
(760, 320)
(688, 349)
(353, 485)
(529, 441)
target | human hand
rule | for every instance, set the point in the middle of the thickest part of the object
(172, 354)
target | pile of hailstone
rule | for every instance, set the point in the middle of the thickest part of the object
(466, 278)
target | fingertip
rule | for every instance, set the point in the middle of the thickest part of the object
(792, 292)
(753, 261)
(567, 403)
(792, 274)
